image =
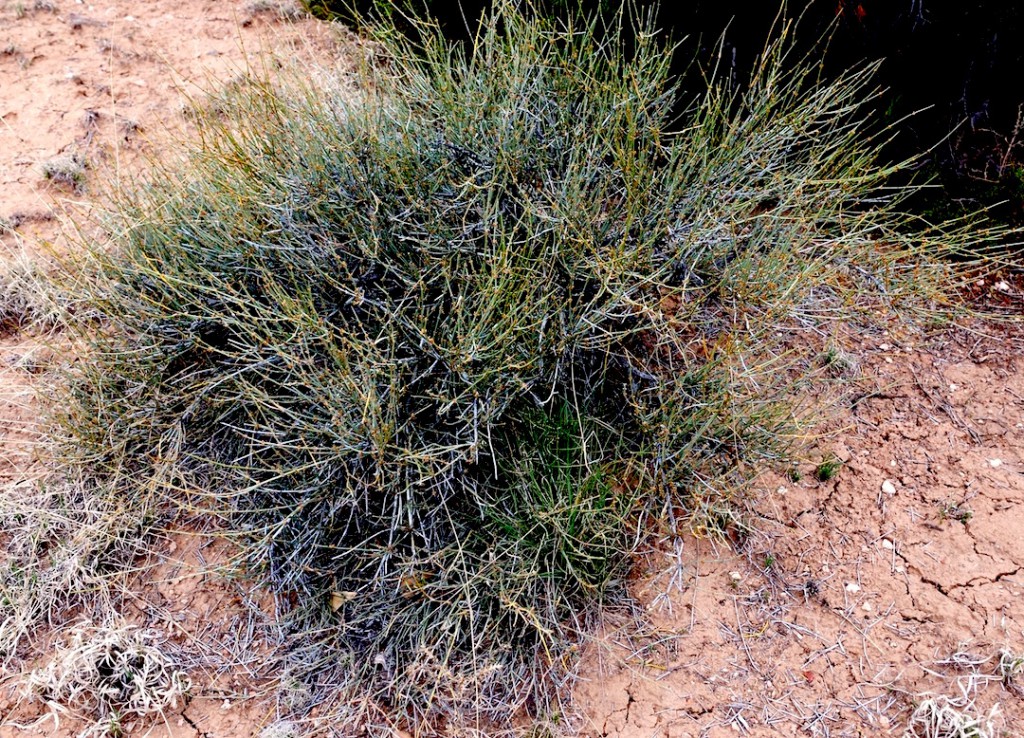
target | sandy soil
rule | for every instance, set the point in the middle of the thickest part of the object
(854, 599)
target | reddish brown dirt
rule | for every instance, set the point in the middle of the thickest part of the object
(859, 596)
(853, 599)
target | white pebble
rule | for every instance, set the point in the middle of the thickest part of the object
(888, 487)
(995, 463)
(866, 607)
(886, 543)
(781, 490)
(852, 587)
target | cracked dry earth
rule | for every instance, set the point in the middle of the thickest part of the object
(858, 597)
(851, 602)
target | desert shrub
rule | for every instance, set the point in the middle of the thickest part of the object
(440, 348)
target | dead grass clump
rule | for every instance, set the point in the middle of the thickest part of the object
(108, 673)
(285, 10)
(66, 549)
(21, 9)
(943, 717)
(66, 170)
(28, 298)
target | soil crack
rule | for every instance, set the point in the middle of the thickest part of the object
(192, 723)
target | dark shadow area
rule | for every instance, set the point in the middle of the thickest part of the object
(949, 73)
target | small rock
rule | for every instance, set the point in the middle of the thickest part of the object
(226, 705)
(954, 387)
(1002, 286)
(867, 607)
(884, 346)
(735, 576)
(886, 543)
(900, 570)
(995, 463)
(781, 490)
(888, 487)
(852, 587)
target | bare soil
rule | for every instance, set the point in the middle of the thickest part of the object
(856, 598)
(849, 601)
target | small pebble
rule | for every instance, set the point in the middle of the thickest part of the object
(995, 463)
(900, 570)
(866, 607)
(852, 587)
(781, 490)
(735, 576)
(888, 487)
(886, 543)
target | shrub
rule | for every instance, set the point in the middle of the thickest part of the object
(439, 353)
